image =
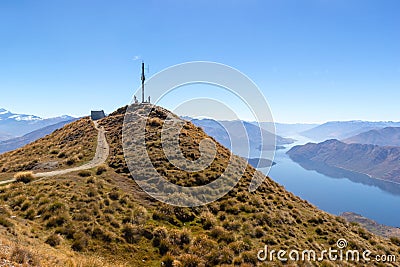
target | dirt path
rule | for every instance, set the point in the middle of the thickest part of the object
(102, 152)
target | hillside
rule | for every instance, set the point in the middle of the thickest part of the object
(389, 136)
(70, 146)
(375, 161)
(17, 142)
(344, 129)
(101, 217)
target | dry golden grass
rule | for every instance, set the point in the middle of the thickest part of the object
(107, 214)
(70, 146)
(24, 177)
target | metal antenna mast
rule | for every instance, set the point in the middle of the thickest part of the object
(143, 79)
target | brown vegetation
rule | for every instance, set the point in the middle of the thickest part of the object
(72, 219)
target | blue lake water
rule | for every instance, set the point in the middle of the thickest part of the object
(337, 191)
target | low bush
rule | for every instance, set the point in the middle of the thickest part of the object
(395, 240)
(53, 240)
(84, 173)
(101, 169)
(5, 222)
(80, 243)
(24, 177)
(24, 256)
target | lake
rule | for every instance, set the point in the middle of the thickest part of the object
(336, 191)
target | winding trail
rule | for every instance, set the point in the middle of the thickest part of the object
(101, 155)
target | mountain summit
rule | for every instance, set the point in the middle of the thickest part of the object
(71, 219)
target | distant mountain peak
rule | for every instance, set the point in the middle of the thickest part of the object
(14, 125)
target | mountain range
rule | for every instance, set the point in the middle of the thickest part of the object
(287, 129)
(16, 125)
(344, 129)
(238, 132)
(375, 161)
(17, 142)
(389, 136)
(101, 217)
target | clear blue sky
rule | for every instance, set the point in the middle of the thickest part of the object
(315, 60)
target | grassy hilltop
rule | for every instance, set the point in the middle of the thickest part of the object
(100, 217)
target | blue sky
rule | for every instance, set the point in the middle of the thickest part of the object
(315, 60)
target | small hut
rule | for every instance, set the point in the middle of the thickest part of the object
(97, 114)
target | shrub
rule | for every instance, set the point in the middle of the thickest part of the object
(189, 260)
(24, 177)
(114, 195)
(56, 206)
(68, 231)
(61, 155)
(54, 152)
(53, 240)
(249, 257)
(5, 222)
(30, 214)
(70, 161)
(156, 122)
(395, 240)
(184, 214)
(101, 169)
(159, 233)
(131, 234)
(23, 256)
(57, 221)
(80, 243)
(168, 260)
(101, 234)
(84, 173)
(207, 220)
(259, 232)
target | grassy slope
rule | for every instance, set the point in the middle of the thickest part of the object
(105, 218)
(70, 146)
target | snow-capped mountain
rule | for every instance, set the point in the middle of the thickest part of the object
(14, 125)
(7, 115)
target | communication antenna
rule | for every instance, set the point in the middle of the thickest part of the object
(143, 79)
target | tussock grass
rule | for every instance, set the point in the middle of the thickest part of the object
(24, 177)
(107, 214)
(70, 146)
